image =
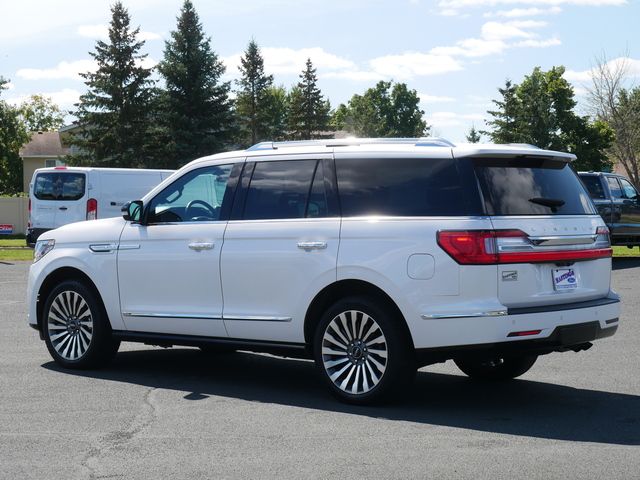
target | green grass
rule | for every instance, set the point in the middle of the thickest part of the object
(16, 255)
(12, 242)
(626, 252)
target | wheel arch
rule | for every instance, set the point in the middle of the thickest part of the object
(55, 278)
(345, 288)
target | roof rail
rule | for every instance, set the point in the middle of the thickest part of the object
(344, 142)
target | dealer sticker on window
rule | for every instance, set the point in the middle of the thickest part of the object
(564, 279)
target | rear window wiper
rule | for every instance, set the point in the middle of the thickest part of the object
(552, 203)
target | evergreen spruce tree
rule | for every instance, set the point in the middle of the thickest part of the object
(308, 111)
(473, 136)
(113, 114)
(505, 117)
(253, 106)
(195, 106)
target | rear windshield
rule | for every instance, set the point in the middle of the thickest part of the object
(531, 186)
(594, 186)
(405, 187)
(59, 186)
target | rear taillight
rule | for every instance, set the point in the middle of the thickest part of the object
(490, 247)
(92, 209)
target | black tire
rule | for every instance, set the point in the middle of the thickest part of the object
(63, 312)
(362, 352)
(496, 369)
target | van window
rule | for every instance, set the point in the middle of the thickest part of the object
(531, 186)
(59, 186)
(280, 189)
(404, 187)
(594, 186)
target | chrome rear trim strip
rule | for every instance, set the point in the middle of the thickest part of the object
(257, 319)
(438, 316)
(170, 315)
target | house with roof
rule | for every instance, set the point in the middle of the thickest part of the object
(45, 149)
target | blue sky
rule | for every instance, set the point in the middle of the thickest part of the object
(454, 53)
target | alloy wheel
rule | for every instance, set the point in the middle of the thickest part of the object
(354, 352)
(70, 325)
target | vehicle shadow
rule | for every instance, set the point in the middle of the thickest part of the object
(522, 407)
(622, 263)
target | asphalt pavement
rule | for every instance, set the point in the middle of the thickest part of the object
(176, 413)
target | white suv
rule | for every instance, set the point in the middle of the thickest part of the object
(374, 257)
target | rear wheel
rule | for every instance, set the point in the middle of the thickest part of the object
(499, 368)
(75, 327)
(362, 352)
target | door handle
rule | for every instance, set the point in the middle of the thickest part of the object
(198, 246)
(62, 208)
(308, 246)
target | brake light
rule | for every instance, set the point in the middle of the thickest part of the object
(92, 209)
(526, 333)
(490, 247)
(29, 221)
(61, 167)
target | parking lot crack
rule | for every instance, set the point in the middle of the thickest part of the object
(116, 440)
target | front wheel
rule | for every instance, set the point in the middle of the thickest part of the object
(498, 368)
(75, 326)
(362, 352)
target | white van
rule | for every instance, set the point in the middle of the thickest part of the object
(62, 195)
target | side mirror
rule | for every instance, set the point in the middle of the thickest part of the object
(132, 211)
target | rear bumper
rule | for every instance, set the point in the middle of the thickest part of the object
(560, 328)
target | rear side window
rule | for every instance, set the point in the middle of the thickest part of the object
(405, 187)
(614, 187)
(594, 186)
(286, 189)
(628, 189)
(531, 186)
(59, 186)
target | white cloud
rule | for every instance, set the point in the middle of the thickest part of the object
(9, 86)
(414, 64)
(64, 69)
(64, 98)
(279, 60)
(70, 70)
(508, 30)
(428, 99)
(524, 12)
(101, 32)
(494, 39)
(631, 65)
(355, 75)
(452, 119)
(550, 42)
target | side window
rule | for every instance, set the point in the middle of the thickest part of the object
(317, 206)
(628, 189)
(404, 187)
(594, 186)
(195, 197)
(614, 187)
(281, 189)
